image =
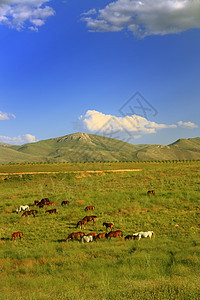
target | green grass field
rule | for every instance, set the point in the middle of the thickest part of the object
(44, 266)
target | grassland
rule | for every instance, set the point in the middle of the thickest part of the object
(44, 266)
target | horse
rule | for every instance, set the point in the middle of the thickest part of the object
(21, 208)
(90, 218)
(75, 235)
(44, 201)
(108, 225)
(51, 211)
(91, 207)
(131, 237)
(52, 203)
(100, 236)
(16, 234)
(92, 234)
(36, 202)
(28, 213)
(65, 202)
(81, 223)
(146, 234)
(114, 234)
(152, 192)
(87, 239)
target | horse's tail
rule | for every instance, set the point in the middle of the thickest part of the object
(153, 234)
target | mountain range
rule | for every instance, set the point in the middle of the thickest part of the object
(82, 147)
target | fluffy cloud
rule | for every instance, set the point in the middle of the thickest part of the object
(123, 127)
(18, 140)
(144, 17)
(6, 116)
(187, 125)
(19, 14)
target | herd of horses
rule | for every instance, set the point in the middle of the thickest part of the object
(84, 238)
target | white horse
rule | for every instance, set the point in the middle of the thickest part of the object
(146, 234)
(21, 208)
(87, 239)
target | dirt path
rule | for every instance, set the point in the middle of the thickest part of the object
(57, 172)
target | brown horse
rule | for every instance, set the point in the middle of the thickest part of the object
(65, 202)
(131, 237)
(90, 218)
(52, 203)
(92, 234)
(75, 235)
(100, 236)
(16, 234)
(28, 213)
(44, 201)
(114, 234)
(51, 211)
(152, 192)
(91, 207)
(81, 224)
(108, 225)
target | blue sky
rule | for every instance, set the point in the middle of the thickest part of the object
(124, 69)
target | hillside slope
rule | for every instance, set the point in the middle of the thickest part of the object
(89, 147)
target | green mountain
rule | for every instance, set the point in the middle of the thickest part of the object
(79, 147)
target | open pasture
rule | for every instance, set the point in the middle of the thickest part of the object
(42, 265)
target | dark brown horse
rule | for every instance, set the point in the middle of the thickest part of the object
(100, 236)
(75, 235)
(81, 224)
(28, 213)
(16, 234)
(91, 207)
(90, 218)
(131, 237)
(108, 225)
(65, 202)
(51, 211)
(114, 234)
(152, 192)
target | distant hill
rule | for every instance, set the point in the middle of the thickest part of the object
(80, 147)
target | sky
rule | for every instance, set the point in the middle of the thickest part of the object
(125, 69)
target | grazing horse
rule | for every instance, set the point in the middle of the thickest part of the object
(100, 236)
(92, 234)
(21, 208)
(16, 234)
(108, 225)
(114, 234)
(152, 192)
(52, 203)
(90, 218)
(75, 235)
(81, 223)
(28, 213)
(146, 234)
(131, 237)
(91, 207)
(87, 239)
(44, 201)
(51, 211)
(65, 202)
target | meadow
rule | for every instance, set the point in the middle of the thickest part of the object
(44, 266)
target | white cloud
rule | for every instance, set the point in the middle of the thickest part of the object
(187, 125)
(144, 17)
(20, 14)
(6, 116)
(18, 140)
(125, 127)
